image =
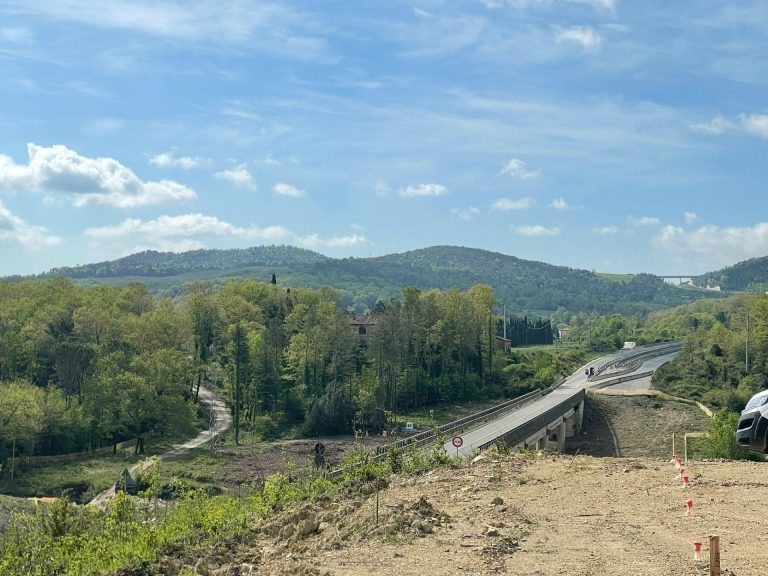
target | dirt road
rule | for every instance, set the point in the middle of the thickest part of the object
(221, 421)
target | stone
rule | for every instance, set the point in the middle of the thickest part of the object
(491, 531)
(498, 501)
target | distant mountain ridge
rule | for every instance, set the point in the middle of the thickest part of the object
(525, 286)
(152, 263)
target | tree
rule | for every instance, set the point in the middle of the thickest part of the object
(241, 374)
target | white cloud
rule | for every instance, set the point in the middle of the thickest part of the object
(269, 160)
(383, 189)
(644, 221)
(606, 230)
(169, 159)
(283, 189)
(559, 204)
(423, 190)
(756, 124)
(268, 26)
(517, 168)
(315, 241)
(86, 181)
(690, 217)
(465, 213)
(507, 204)
(714, 246)
(239, 177)
(598, 5)
(184, 226)
(14, 230)
(582, 35)
(536, 230)
(717, 125)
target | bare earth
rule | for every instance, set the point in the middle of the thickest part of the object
(559, 516)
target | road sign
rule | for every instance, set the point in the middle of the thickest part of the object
(457, 442)
(319, 460)
(319, 448)
(409, 427)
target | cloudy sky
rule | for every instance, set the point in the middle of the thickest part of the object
(601, 134)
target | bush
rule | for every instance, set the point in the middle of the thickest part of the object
(721, 438)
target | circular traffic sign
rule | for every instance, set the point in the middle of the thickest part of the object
(457, 441)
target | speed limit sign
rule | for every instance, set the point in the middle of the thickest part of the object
(457, 442)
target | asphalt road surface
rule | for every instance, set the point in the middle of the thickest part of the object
(572, 385)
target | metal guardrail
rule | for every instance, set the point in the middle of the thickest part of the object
(632, 361)
(620, 379)
(429, 436)
(528, 429)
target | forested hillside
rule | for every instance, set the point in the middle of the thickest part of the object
(84, 367)
(712, 366)
(525, 286)
(151, 263)
(747, 276)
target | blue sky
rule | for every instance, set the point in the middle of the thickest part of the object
(601, 134)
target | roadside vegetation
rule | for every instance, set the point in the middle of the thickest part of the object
(134, 533)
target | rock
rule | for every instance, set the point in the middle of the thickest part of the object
(323, 526)
(307, 527)
(490, 531)
(478, 458)
(498, 501)
(286, 532)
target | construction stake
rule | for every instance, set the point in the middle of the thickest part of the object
(714, 556)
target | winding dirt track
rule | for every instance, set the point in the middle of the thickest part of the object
(222, 420)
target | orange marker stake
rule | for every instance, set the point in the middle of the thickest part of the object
(685, 481)
(689, 507)
(697, 550)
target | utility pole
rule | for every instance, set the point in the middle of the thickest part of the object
(747, 346)
(505, 322)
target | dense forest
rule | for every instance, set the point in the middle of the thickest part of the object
(534, 287)
(713, 366)
(152, 263)
(84, 367)
(747, 276)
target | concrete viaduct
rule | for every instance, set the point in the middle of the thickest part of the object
(547, 421)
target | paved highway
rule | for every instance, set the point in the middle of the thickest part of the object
(570, 388)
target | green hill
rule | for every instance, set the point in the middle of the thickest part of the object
(151, 263)
(523, 285)
(747, 276)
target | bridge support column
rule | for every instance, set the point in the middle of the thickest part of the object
(579, 417)
(561, 437)
(543, 443)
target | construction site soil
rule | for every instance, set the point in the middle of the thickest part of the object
(528, 514)
(517, 514)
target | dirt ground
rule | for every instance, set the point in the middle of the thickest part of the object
(634, 426)
(521, 514)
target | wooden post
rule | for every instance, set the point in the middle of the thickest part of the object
(673, 443)
(714, 556)
(685, 444)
